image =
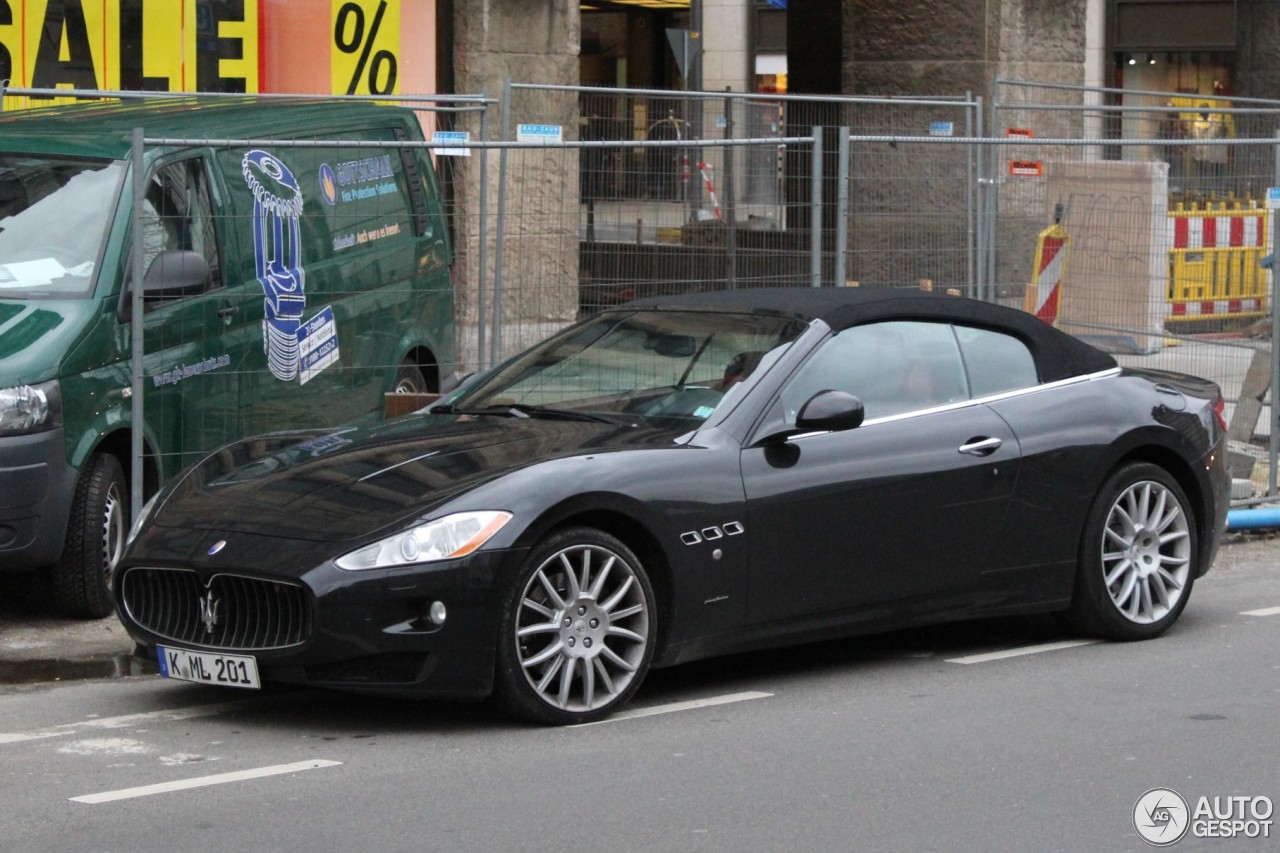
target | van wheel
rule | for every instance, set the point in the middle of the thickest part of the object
(94, 542)
(409, 379)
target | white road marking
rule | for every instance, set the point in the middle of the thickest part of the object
(673, 707)
(1024, 650)
(128, 720)
(104, 746)
(18, 738)
(1266, 611)
(170, 715)
(202, 782)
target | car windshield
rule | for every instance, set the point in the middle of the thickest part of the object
(54, 216)
(673, 367)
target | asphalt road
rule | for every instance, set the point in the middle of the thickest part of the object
(935, 739)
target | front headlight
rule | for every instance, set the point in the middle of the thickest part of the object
(445, 538)
(30, 408)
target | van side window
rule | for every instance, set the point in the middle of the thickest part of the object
(178, 216)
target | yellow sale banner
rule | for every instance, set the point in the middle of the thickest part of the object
(217, 46)
(175, 45)
(366, 47)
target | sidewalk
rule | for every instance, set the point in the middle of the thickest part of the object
(36, 645)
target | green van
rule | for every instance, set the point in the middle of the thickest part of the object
(285, 286)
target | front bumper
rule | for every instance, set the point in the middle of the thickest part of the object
(371, 631)
(36, 489)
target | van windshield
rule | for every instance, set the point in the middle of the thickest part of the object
(54, 216)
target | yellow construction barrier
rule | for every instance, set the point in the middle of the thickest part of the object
(1213, 262)
(1044, 294)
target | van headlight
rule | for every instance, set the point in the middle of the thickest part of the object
(445, 538)
(30, 408)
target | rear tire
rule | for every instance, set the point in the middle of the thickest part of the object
(94, 542)
(577, 630)
(1138, 559)
(409, 379)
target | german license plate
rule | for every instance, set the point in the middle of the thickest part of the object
(207, 668)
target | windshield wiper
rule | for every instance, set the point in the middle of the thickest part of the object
(524, 410)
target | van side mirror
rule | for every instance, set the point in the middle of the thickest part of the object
(175, 274)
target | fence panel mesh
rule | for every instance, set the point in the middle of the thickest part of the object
(1156, 207)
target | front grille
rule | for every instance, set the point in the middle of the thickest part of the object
(230, 612)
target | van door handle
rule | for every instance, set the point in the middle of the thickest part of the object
(226, 312)
(981, 446)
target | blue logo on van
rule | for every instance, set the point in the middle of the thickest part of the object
(277, 249)
(328, 184)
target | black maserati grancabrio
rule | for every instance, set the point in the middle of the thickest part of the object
(682, 477)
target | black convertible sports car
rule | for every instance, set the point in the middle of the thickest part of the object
(682, 477)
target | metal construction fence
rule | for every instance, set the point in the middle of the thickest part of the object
(1147, 242)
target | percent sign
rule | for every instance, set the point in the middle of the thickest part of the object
(358, 42)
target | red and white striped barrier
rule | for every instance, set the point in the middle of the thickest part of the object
(1046, 283)
(1217, 307)
(704, 168)
(1196, 230)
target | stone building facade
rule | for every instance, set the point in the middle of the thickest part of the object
(835, 47)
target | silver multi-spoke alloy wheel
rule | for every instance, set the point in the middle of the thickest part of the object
(583, 628)
(1146, 552)
(1139, 556)
(113, 531)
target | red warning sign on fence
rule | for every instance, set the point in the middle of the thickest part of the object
(1026, 168)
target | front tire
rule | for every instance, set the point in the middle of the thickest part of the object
(1138, 559)
(94, 541)
(577, 630)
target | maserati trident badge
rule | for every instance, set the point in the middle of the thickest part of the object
(209, 611)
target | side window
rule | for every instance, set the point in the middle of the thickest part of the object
(995, 361)
(893, 367)
(177, 216)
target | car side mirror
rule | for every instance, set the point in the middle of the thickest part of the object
(826, 411)
(176, 274)
(830, 411)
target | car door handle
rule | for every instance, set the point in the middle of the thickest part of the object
(981, 446)
(226, 312)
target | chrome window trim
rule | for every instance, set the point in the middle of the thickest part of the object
(978, 401)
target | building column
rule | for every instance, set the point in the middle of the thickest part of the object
(725, 45)
(497, 40)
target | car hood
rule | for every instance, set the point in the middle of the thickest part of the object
(345, 483)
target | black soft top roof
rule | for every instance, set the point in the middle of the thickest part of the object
(1058, 355)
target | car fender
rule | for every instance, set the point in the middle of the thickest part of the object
(689, 531)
